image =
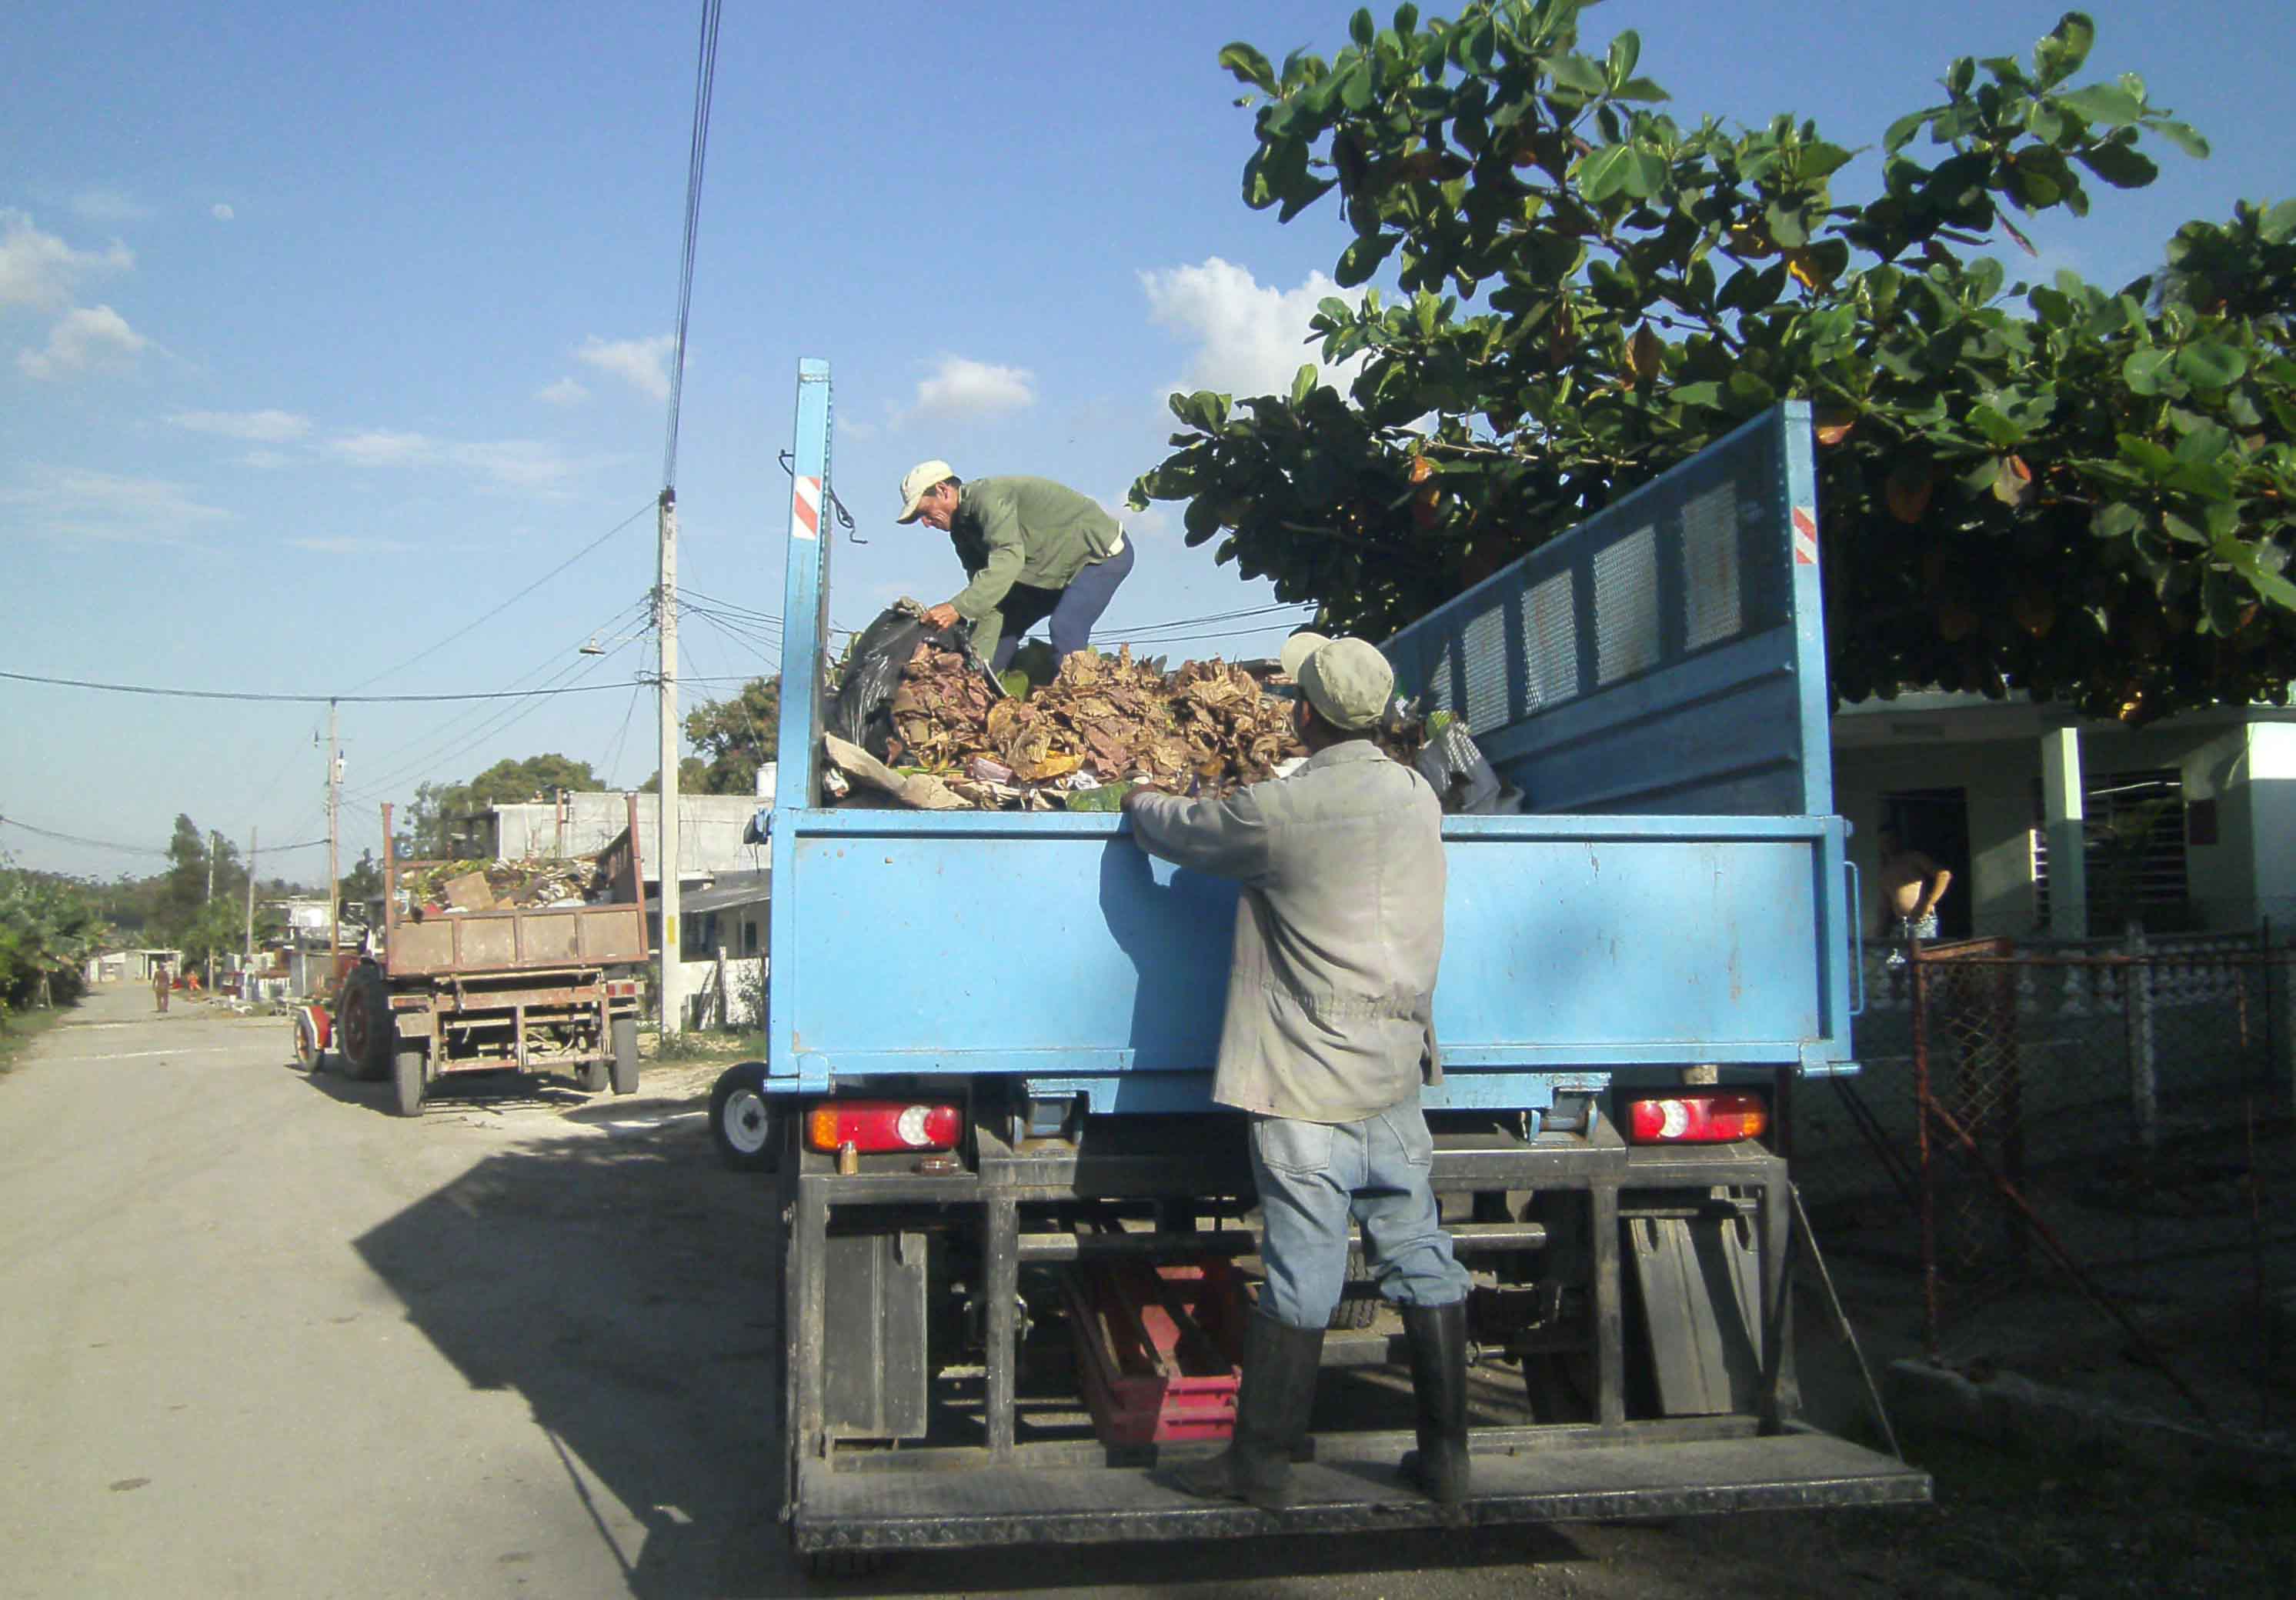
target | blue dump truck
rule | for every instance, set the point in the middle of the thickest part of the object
(1018, 1239)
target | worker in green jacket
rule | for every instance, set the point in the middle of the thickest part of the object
(1033, 548)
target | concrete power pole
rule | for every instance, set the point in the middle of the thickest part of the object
(215, 843)
(665, 842)
(247, 954)
(335, 838)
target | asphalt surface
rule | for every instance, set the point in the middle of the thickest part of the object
(259, 1337)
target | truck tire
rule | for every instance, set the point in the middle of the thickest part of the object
(592, 1076)
(409, 1067)
(366, 1035)
(625, 1030)
(741, 1123)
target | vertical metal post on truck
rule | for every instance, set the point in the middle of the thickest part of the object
(805, 671)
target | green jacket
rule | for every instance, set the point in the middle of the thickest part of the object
(1023, 530)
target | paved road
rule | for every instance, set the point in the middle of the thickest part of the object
(259, 1337)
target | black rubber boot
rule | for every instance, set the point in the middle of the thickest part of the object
(1271, 1419)
(1438, 1337)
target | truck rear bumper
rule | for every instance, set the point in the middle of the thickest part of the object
(1351, 1486)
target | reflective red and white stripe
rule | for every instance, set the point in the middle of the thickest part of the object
(805, 509)
(1805, 536)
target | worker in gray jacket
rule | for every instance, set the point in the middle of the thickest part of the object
(1327, 1038)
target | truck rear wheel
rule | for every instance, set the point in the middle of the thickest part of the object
(742, 1120)
(409, 1067)
(626, 1054)
(366, 1035)
(592, 1076)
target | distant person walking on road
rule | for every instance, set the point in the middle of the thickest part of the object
(1328, 1037)
(1033, 549)
(159, 984)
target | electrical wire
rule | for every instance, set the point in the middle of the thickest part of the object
(241, 695)
(74, 838)
(705, 82)
(497, 610)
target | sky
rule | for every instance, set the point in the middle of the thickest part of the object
(325, 330)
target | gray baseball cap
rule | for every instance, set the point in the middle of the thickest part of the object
(1348, 681)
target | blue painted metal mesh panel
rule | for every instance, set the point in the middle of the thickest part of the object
(1663, 657)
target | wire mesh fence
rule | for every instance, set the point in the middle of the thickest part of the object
(2092, 1132)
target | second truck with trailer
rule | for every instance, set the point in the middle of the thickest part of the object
(1017, 1239)
(513, 988)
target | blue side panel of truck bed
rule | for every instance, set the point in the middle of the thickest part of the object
(1666, 656)
(1653, 681)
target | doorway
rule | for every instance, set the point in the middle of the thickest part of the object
(1936, 823)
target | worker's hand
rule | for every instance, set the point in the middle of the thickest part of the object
(941, 615)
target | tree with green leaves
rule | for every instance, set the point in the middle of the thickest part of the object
(735, 736)
(2081, 493)
(49, 926)
(440, 811)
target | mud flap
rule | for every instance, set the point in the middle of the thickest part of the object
(1700, 1280)
(873, 1366)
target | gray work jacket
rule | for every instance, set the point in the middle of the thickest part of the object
(1337, 933)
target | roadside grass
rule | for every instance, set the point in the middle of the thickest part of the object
(18, 1029)
(2092, 1523)
(699, 1046)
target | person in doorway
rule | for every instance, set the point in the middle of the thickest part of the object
(159, 984)
(1327, 1038)
(1911, 885)
(1033, 549)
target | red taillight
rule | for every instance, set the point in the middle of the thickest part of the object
(1698, 1119)
(879, 1125)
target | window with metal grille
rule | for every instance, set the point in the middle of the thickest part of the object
(1626, 607)
(1713, 593)
(1482, 649)
(1550, 641)
(2133, 834)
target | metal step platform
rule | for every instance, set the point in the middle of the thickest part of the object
(1351, 1485)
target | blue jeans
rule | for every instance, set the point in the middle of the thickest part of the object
(1314, 1176)
(1073, 610)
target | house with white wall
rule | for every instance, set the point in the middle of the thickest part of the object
(2057, 825)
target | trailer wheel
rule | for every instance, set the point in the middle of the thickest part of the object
(409, 1067)
(742, 1120)
(592, 1076)
(626, 1054)
(309, 1053)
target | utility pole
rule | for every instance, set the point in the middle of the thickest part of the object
(335, 872)
(215, 844)
(665, 600)
(246, 950)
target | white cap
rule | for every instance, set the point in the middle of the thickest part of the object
(920, 479)
(1297, 649)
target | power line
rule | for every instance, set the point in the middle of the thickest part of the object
(705, 82)
(227, 694)
(506, 605)
(74, 838)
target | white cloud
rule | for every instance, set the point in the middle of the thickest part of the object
(963, 387)
(383, 447)
(38, 269)
(221, 213)
(258, 426)
(264, 460)
(566, 391)
(69, 502)
(1247, 336)
(643, 363)
(85, 338)
(531, 466)
(109, 208)
(339, 545)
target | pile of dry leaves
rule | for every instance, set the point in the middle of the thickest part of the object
(1209, 724)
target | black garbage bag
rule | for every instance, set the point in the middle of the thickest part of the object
(862, 711)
